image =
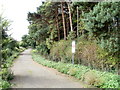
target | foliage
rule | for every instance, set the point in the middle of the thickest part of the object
(25, 41)
(87, 53)
(43, 24)
(71, 35)
(98, 46)
(50, 41)
(97, 42)
(5, 74)
(42, 49)
(4, 84)
(10, 50)
(91, 77)
(103, 24)
(57, 52)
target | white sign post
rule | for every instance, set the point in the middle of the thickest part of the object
(73, 46)
(73, 51)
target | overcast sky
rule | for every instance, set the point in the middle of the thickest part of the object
(16, 11)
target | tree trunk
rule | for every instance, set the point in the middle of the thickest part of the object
(77, 22)
(63, 21)
(70, 16)
(58, 30)
(57, 25)
(67, 27)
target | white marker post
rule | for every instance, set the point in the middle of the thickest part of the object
(73, 51)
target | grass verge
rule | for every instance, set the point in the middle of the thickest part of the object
(83, 73)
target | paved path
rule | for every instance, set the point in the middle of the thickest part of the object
(29, 74)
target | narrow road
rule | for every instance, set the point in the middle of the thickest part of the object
(29, 74)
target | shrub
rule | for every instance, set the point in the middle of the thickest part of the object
(34, 51)
(110, 81)
(5, 72)
(81, 71)
(42, 48)
(4, 84)
(87, 53)
(58, 50)
(71, 35)
(72, 71)
(92, 78)
(60, 68)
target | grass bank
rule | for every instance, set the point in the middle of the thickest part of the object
(89, 76)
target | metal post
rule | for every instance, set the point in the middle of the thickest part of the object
(77, 22)
(73, 58)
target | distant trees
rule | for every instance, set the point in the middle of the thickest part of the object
(24, 42)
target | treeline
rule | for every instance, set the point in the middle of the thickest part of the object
(9, 50)
(95, 26)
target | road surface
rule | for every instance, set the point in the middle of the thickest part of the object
(29, 74)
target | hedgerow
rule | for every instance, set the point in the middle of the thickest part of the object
(87, 53)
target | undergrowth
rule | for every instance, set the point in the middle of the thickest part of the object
(5, 72)
(89, 76)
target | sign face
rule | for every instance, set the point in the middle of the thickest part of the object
(73, 46)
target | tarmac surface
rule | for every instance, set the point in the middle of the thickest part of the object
(29, 74)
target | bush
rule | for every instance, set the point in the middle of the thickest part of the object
(87, 53)
(72, 71)
(92, 78)
(58, 51)
(5, 72)
(81, 71)
(4, 84)
(42, 49)
(110, 81)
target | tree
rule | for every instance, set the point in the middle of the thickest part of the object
(70, 18)
(63, 18)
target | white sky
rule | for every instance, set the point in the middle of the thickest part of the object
(16, 11)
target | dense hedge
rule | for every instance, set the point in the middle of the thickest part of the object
(89, 76)
(87, 53)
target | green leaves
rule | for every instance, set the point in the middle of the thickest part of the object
(10, 50)
(98, 22)
(42, 48)
(101, 24)
(71, 35)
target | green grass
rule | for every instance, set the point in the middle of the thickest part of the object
(83, 73)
